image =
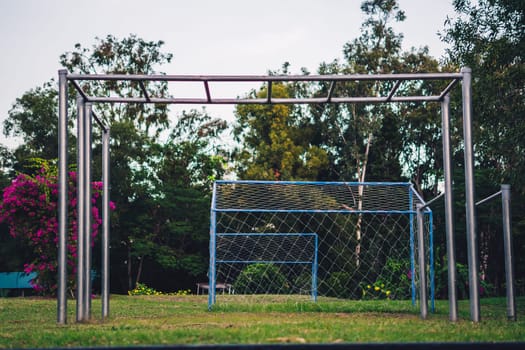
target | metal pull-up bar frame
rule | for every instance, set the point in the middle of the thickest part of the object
(208, 98)
(81, 82)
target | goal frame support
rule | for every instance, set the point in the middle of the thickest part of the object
(415, 210)
(80, 82)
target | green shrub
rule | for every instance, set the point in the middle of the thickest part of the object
(337, 285)
(375, 291)
(397, 276)
(261, 278)
(302, 284)
(142, 289)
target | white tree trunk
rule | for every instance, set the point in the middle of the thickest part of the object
(361, 175)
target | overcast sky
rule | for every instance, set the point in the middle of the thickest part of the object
(204, 36)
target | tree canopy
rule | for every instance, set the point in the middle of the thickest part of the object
(161, 187)
(489, 37)
(163, 165)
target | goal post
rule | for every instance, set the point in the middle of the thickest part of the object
(340, 240)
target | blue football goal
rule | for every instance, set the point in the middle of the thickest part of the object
(311, 240)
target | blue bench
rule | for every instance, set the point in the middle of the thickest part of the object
(15, 280)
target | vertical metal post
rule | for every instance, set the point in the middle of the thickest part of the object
(412, 247)
(423, 297)
(431, 261)
(508, 251)
(314, 269)
(211, 269)
(105, 224)
(472, 239)
(87, 210)
(80, 206)
(62, 198)
(449, 209)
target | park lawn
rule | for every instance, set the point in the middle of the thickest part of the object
(162, 320)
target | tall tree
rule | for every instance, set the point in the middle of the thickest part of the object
(348, 131)
(273, 145)
(170, 228)
(357, 142)
(139, 162)
(135, 128)
(33, 117)
(489, 37)
(369, 142)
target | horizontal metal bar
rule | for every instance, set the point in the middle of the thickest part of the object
(314, 211)
(432, 98)
(144, 100)
(348, 99)
(488, 198)
(269, 79)
(262, 262)
(243, 101)
(264, 78)
(264, 234)
(318, 183)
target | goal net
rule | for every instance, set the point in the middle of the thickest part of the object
(306, 240)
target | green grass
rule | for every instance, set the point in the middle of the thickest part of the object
(159, 320)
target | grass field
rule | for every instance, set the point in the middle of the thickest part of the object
(161, 320)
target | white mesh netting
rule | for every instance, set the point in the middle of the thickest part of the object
(343, 240)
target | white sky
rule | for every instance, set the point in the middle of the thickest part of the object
(204, 36)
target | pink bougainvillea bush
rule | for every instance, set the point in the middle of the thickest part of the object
(29, 207)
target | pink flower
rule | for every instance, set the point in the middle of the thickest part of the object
(29, 208)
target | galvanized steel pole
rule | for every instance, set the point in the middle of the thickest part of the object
(423, 298)
(449, 209)
(87, 209)
(507, 246)
(105, 224)
(81, 174)
(213, 249)
(62, 198)
(472, 239)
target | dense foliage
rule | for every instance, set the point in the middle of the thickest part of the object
(28, 207)
(261, 278)
(162, 186)
(489, 37)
